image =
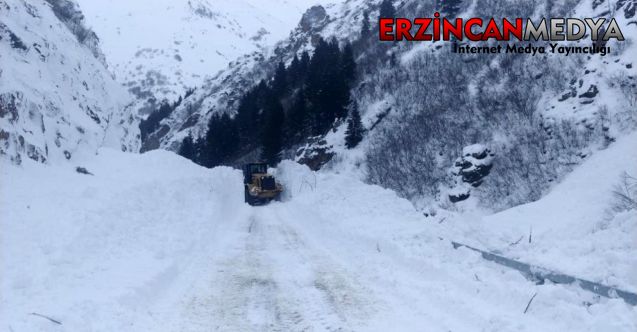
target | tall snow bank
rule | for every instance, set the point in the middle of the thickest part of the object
(419, 279)
(296, 178)
(112, 251)
(346, 201)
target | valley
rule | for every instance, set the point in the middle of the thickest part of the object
(417, 185)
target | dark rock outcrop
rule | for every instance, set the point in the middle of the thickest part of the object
(470, 170)
(591, 92)
(315, 155)
(474, 165)
(313, 18)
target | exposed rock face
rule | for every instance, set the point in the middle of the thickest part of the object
(315, 154)
(470, 169)
(474, 165)
(57, 99)
(152, 142)
(69, 12)
(460, 196)
(591, 92)
(313, 17)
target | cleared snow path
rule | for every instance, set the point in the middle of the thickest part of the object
(155, 243)
(272, 279)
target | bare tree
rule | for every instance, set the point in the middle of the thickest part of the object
(625, 194)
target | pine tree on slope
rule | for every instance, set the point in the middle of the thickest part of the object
(297, 124)
(348, 65)
(355, 129)
(279, 84)
(272, 140)
(221, 141)
(294, 70)
(187, 149)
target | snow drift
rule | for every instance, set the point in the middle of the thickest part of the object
(154, 242)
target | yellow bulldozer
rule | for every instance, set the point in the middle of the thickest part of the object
(260, 187)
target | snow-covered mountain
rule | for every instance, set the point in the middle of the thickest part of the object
(57, 98)
(221, 92)
(444, 104)
(160, 48)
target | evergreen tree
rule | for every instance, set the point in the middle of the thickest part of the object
(200, 146)
(316, 92)
(229, 138)
(279, 84)
(189, 92)
(343, 80)
(365, 28)
(355, 129)
(221, 141)
(328, 82)
(272, 139)
(348, 65)
(297, 124)
(178, 102)
(316, 85)
(304, 64)
(293, 70)
(249, 115)
(387, 9)
(187, 149)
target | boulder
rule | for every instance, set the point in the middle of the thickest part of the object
(474, 165)
(591, 92)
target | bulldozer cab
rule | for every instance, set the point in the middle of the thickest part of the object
(254, 168)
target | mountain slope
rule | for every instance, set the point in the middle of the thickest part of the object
(57, 98)
(159, 49)
(428, 110)
(537, 117)
(221, 93)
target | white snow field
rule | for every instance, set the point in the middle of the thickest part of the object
(153, 242)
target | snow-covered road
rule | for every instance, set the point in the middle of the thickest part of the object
(155, 243)
(274, 279)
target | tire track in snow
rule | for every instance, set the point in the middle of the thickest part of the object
(242, 291)
(346, 297)
(271, 280)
